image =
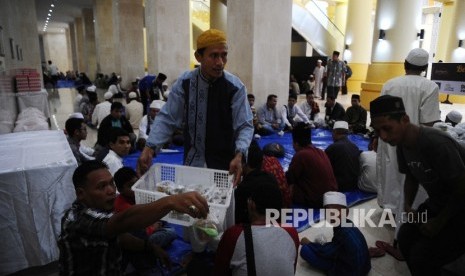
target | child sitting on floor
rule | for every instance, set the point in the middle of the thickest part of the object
(157, 234)
(347, 253)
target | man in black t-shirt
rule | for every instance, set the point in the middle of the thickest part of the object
(436, 161)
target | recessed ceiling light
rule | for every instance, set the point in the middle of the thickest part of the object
(52, 5)
(48, 18)
(50, 10)
(49, 14)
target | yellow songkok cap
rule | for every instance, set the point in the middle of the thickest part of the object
(211, 37)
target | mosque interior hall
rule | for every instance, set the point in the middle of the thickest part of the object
(269, 43)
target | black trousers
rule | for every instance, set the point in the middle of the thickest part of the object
(426, 256)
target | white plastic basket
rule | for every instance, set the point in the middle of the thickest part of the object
(145, 188)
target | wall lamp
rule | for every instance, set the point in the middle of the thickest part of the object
(421, 34)
(460, 43)
(347, 47)
(382, 34)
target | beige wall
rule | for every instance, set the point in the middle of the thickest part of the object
(56, 50)
(23, 30)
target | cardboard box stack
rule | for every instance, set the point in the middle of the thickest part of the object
(27, 80)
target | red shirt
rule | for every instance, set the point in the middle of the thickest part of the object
(311, 174)
(122, 203)
(271, 165)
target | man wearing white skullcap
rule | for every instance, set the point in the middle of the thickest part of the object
(134, 111)
(146, 122)
(318, 73)
(453, 117)
(102, 109)
(421, 100)
(344, 157)
(347, 253)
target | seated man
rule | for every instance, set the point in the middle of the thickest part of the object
(344, 156)
(292, 113)
(146, 122)
(433, 159)
(310, 108)
(119, 148)
(347, 253)
(453, 117)
(310, 174)
(367, 180)
(92, 236)
(270, 117)
(116, 119)
(334, 111)
(356, 116)
(274, 248)
(77, 131)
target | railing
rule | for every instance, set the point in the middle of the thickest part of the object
(321, 16)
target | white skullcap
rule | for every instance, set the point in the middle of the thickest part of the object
(311, 76)
(165, 84)
(91, 88)
(454, 116)
(418, 57)
(137, 78)
(118, 77)
(319, 61)
(77, 115)
(113, 89)
(132, 95)
(336, 198)
(107, 95)
(157, 104)
(341, 125)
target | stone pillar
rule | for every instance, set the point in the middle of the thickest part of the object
(69, 52)
(401, 21)
(358, 38)
(218, 15)
(89, 43)
(128, 24)
(252, 26)
(105, 44)
(168, 37)
(80, 51)
(73, 46)
(341, 14)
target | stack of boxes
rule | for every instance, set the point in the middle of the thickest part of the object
(27, 80)
(6, 83)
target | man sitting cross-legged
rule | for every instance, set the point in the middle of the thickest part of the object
(92, 236)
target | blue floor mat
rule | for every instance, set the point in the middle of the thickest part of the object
(321, 138)
(353, 198)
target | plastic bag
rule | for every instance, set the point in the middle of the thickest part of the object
(206, 230)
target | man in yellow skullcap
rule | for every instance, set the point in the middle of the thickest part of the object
(213, 105)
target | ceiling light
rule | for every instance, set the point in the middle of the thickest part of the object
(48, 18)
(50, 10)
(49, 14)
(52, 5)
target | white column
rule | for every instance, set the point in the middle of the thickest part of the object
(128, 23)
(358, 38)
(168, 37)
(105, 44)
(89, 45)
(401, 20)
(218, 15)
(73, 46)
(452, 30)
(80, 52)
(259, 40)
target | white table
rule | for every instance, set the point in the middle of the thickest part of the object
(36, 188)
(37, 99)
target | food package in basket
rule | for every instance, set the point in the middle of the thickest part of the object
(167, 179)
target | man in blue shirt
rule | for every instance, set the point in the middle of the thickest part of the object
(212, 104)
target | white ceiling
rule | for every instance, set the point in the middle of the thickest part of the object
(64, 12)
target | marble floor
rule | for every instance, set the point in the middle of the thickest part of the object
(61, 106)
